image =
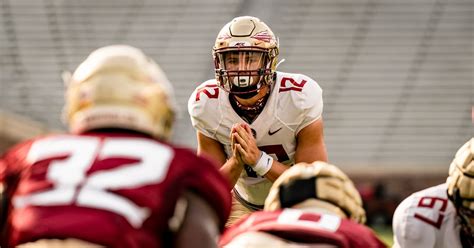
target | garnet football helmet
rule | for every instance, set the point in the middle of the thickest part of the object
(245, 56)
(318, 186)
(119, 87)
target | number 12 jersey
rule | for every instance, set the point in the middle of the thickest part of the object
(295, 101)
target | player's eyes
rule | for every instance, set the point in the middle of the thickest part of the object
(232, 61)
(254, 60)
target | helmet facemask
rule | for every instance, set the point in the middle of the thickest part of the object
(252, 43)
(244, 72)
(466, 215)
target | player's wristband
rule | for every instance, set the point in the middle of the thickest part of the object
(264, 164)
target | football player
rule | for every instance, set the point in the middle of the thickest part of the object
(114, 181)
(255, 121)
(310, 205)
(443, 215)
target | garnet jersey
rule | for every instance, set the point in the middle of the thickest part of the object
(116, 190)
(295, 101)
(426, 219)
(305, 227)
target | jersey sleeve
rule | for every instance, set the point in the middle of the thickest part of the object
(3, 170)
(310, 101)
(300, 100)
(203, 178)
(409, 231)
(13, 161)
(203, 108)
(11, 165)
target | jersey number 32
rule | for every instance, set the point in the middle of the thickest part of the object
(72, 157)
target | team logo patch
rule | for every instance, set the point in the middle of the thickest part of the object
(263, 36)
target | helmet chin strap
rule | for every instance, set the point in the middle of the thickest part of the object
(247, 95)
(247, 92)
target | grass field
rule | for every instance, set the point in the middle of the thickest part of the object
(385, 234)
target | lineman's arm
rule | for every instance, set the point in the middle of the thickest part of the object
(4, 200)
(200, 226)
(230, 168)
(3, 206)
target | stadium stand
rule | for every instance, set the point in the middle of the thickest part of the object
(397, 75)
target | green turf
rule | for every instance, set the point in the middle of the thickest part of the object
(385, 234)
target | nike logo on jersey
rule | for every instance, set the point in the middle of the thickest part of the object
(274, 132)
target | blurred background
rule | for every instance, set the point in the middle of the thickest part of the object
(397, 76)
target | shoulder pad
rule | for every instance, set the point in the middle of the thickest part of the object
(415, 225)
(300, 99)
(204, 108)
(303, 91)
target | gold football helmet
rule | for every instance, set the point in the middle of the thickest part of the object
(245, 56)
(119, 87)
(460, 184)
(320, 187)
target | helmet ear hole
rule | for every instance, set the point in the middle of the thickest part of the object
(297, 191)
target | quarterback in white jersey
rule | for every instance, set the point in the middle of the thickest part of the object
(294, 102)
(440, 216)
(255, 121)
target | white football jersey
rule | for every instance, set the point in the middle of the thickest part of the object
(427, 219)
(295, 102)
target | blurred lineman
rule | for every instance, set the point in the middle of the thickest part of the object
(114, 181)
(310, 205)
(443, 215)
(255, 121)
